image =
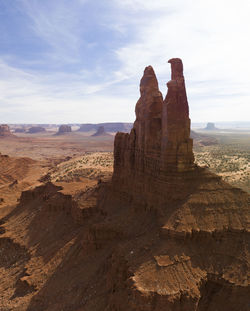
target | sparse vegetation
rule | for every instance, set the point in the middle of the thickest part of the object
(91, 165)
(229, 159)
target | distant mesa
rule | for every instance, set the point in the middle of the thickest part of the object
(109, 127)
(64, 129)
(36, 129)
(87, 127)
(101, 132)
(20, 130)
(210, 127)
(5, 131)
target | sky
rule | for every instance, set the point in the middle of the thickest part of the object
(80, 61)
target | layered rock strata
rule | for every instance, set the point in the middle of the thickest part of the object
(186, 236)
(5, 131)
(157, 153)
(63, 129)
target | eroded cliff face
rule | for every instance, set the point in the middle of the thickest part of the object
(156, 157)
(160, 139)
(192, 250)
(176, 142)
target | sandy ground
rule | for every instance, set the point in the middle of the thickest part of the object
(48, 146)
(230, 158)
(26, 158)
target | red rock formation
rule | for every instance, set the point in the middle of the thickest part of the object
(5, 131)
(177, 145)
(160, 139)
(185, 263)
(63, 129)
(158, 150)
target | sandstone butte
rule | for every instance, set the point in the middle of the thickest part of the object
(64, 129)
(162, 234)
(210, 127)
(5, 131)
(101, 132)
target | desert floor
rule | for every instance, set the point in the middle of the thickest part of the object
(39, 244)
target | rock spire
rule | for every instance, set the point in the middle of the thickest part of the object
(159, 142)
(176, 142)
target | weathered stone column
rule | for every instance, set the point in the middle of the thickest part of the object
(177, 153)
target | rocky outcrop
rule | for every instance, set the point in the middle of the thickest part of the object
(50, 195)
(101, 132)
(63, 129)
(5, 131)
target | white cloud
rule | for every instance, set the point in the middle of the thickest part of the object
(210, 36)
(28, 97)
(212, 39)
(57, 24)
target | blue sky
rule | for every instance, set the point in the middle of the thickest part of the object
(81, 61)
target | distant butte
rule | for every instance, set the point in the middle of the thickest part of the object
(210, 127)
(64, 129)
(5, 131)
(101, 132)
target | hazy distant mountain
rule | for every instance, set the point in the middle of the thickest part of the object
(36, 129)
(108, 127)
(224, 124)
